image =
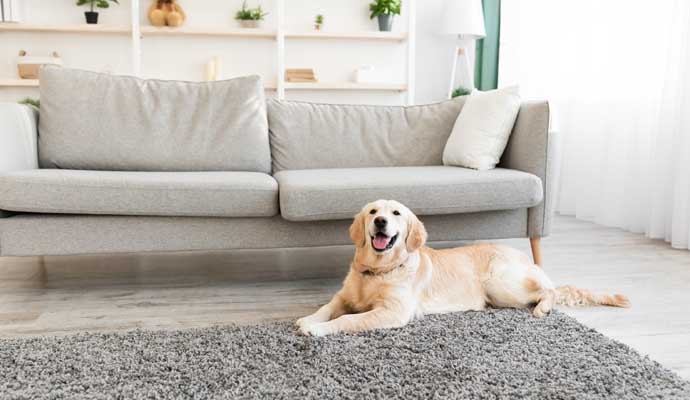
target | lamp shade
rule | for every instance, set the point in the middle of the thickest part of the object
(464, 18)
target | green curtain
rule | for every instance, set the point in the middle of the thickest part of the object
(486, 62)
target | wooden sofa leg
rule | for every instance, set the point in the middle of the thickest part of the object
(536, 249)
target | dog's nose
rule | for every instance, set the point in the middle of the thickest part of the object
(380, 222)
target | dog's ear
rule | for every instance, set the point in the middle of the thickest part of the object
(416, 234)
(357, 230)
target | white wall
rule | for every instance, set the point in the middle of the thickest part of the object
(184, 57)
(435, 53)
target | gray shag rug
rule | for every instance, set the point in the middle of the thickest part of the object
(496, 354)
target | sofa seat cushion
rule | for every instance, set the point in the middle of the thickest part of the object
(326, 194)
(210, 194)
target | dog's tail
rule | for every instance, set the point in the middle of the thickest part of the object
(572, 296)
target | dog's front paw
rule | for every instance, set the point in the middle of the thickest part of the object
(313, 330)
(302, 322)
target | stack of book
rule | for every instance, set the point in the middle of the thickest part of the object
(300, 75)
(11, 11)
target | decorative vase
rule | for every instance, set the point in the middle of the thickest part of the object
(91, 17)
(250, 23)
(385, 22)
(317, 27)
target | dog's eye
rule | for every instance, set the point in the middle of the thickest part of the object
(372, 212)
(396, 212)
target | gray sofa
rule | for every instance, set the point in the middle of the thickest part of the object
(118, 164)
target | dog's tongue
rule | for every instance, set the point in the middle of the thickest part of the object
(381, 241)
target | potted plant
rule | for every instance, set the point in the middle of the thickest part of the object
(318, 22)
(250, 17)
(92, 16)
(385, 10)
(461, 91)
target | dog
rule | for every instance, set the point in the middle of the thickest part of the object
(395, 278)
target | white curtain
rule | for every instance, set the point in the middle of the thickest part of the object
(616, 73)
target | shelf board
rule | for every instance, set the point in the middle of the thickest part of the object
(268, 86)
(34, 83)
(85, 28)
(362, 35)
(345, 86)
(145, 30)
(237, 32)
(193, 31)
(18, 82)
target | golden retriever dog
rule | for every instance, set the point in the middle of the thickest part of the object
(394, 278)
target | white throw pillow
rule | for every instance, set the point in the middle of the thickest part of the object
(482, 129)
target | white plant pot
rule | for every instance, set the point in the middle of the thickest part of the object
(249, 23)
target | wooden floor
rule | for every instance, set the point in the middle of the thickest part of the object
(58, 295)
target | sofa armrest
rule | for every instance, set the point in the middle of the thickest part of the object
(535, 148)
(18, 139)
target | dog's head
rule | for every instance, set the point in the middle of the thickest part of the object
(386, 226)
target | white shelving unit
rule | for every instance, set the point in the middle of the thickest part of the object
(279, 34)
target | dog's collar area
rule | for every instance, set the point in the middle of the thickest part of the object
(368, 272)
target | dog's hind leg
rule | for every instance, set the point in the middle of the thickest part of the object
(546, 297)
(520, 285)
(516, 284)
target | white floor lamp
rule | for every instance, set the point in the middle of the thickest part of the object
(464, 19)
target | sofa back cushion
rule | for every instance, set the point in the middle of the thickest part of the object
(94, 121)
(308, 136)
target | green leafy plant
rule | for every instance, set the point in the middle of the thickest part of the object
(461, 91)
(319, 19)
(30, 102)
(385, 7)
(97, 3)
(250, 14)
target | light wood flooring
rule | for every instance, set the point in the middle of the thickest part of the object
(59, 295)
